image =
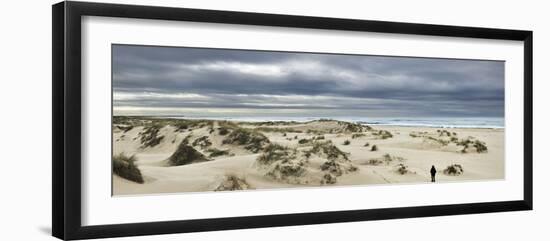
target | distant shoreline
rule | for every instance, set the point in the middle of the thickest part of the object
(351, 120)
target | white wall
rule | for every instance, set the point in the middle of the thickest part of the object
(25, 99)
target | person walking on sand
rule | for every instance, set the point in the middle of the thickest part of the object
(433, 172)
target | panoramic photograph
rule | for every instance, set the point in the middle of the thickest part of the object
(189, 119)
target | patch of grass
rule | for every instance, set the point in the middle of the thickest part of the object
(149, 136)
(454, 170)
(202, 142)
(383, 134)
(374, 148)
(352, 127)
(275, 152)
(222, 131)
(124, 167)
(251, 140)
(335, 168)
(232, 182)
(329, 150)
(402, 169)
(185, 154)
(286, 170)
(346, 142)
(217, 152)
(328, 179)
(366, 144)
(320, 137)
(480, 146)
(275, 129)
(385, 159)
(304, 141)
(444, 133)
(181, 125)
(125, 128)
(440, 141)
(357, 135)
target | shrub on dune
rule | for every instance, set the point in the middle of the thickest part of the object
(304, 141)
(346, 142)
(287, 170)
(251, 140)
(125, 128)
(383, 134)
(374, 148)
(480, 146)
(402, 169)
(124, 167)
(185, 154)
(329, 150)
(328, 179)
(454, 170)
(232, 182)
(275, 152)
(149, 136)
(320, 137)
(203, 142)
(217, 152)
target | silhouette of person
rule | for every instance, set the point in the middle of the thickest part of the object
(433, 172)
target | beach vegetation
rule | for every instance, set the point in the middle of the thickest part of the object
(454, 170)
(402, 169)
(275, 152)
(232, 182)
(124, 166)
(251, 140)
(125, 128)
(480, 146)
(222, 131)
(214, 152)
(304, 141)
(185, 154)
(202, 142)
(275, 129)
(319, 137)
(329, 150)
(150, 137)
(328, 179)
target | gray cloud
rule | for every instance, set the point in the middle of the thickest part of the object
(148, 78)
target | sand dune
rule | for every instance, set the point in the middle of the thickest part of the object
(296, 154)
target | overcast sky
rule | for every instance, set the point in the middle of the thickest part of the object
(210, 82)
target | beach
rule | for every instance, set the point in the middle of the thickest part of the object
(194, 155)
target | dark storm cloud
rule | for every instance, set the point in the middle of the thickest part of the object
(146, 77)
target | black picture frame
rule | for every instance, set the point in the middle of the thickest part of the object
(66, 159)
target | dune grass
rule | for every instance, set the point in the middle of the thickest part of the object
(454, 170)
(150, 137)
(251, 140)
(124, 167)
(185, 154)
(232, 182)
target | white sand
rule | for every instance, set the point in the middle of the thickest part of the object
(419, 155)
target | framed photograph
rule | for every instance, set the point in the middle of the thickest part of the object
(169, 120)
